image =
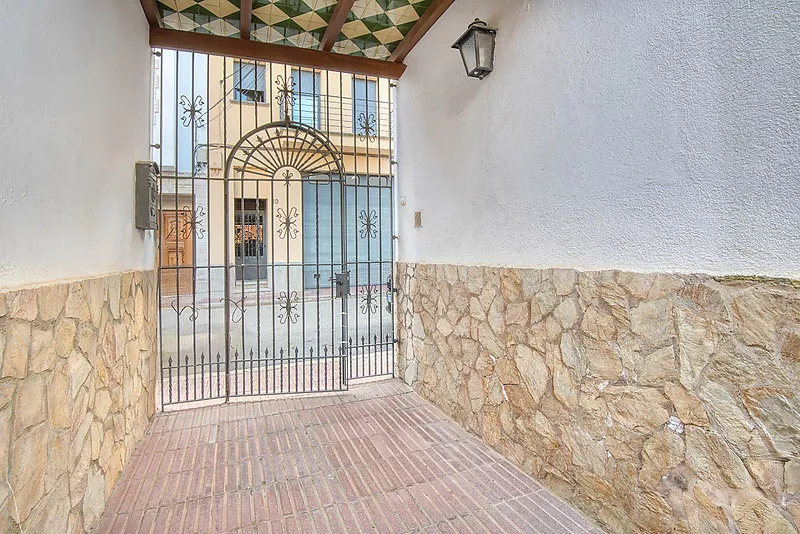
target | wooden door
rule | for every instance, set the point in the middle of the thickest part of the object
(177, 248)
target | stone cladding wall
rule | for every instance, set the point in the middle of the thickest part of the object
(652, 402)
(77, 390)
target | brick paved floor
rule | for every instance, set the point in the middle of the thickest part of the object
(377, 458)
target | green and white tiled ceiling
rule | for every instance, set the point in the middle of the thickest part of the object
(373, 28)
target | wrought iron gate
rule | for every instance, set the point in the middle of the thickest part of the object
(275, 251)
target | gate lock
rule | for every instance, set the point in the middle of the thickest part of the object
(342, 284)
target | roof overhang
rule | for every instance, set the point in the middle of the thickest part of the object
(368, 37)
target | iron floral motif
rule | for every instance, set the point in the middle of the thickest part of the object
(287, 223)
(192, 111)
(369, 225)
(367, 127)
(288, 176)
(189, 224)
(369, 300)
(194, 223)
(192, 317)
(288, 303)
(285, 98)
(238, 308)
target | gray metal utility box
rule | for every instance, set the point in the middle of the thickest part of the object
(146, 207)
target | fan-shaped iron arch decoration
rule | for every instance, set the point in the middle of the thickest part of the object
(285, 151)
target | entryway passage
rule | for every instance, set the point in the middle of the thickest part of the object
(377, 458)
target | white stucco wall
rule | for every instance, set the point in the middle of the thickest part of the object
(645, 136)
(74, 119)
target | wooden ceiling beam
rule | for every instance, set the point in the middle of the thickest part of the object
(246, 18)
(255, 50)
(152, 13)
(338, 18)
(418, 31)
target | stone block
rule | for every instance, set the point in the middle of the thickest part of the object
(29, 453)
(658, 367)
(790, 348)
(652, 321)
(43, 351)
(697, 341)
(5, 444)
(777, 410)
(688, 407)
(94, 499)
(713, 461)
(29, 403)
(755, 514)
(52, 300)
(17, 350)
(533, 371)
(78, 369)
(660, 453)
(23, 306)
(637, 406)
(758, 314)
(64, 336)
(59, 397)
(51, 514)
(567, 313)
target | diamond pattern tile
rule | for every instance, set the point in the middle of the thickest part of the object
(291, 22)
(373, 28)
(217, 17)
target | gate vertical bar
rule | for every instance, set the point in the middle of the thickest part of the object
(177, 224)
(193, 207)
(160, 55)
(226, 227)
(242, 218)
(393, 229)
(380, 222)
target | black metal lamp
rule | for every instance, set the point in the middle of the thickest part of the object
(477, 49)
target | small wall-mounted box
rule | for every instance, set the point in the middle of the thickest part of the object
(146, 203)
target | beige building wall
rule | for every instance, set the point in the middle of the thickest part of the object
(230, 119)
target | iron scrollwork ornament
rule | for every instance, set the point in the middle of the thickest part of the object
(369, 299)
(189, 224)
(287, 223)
(288, 176)
(192, 316)
(192, 111)
(194, 223)
(238, 309)
(288, 303)
(369, 224)
(286, 98)
(367, 127)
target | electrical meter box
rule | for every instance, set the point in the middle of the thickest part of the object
(146, 208)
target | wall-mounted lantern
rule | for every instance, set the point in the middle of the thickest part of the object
(477, 49)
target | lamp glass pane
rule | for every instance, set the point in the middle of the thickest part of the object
(468, 53)
(485, 45)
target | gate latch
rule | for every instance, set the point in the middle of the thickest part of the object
(342, 284)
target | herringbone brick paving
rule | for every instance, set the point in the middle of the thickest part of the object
(377, 458)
